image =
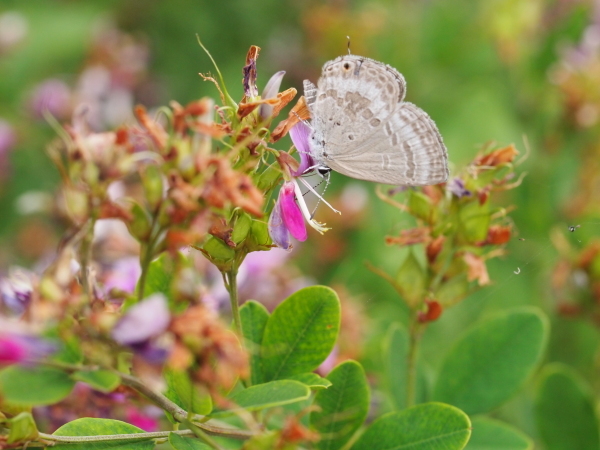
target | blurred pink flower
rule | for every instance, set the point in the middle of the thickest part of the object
(123, 275)
(142, 420)
(8, 140)
(16, 348)
(53, 96)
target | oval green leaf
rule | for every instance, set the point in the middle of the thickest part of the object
(343, 407)
(491, 434)
(186, 443)
(429, 426)
(312, 380)
(565, 410)
(97, 427)
(101, 380)
(492, 361)
(300, 333)
(182, 391)
(254, 318)
(267, 395)
(34, 385)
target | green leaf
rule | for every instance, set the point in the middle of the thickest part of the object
(219, 253)
(343, 407)
(395, 354)
(186, 443)
(411, 280)
(241, 227)
(491, 434)
(268, 395)
(97, 427)
(300, 333)
(259, 238)
(152, 180)
(492, 360)
(254, 318)
(22, 428)
(139, 227)
(420, 206)
(160, 277)
(101, 380)
(182, 391)
(34, 385)
(312, 380)
(429, 426)
(473, 220)
(565, 410)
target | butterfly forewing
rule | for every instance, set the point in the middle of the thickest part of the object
(363, 129)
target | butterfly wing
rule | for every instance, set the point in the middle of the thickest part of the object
(406, 149)
(353, 90)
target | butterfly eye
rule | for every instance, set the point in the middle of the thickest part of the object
(346, 66)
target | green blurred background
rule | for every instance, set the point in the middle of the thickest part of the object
(503, 71)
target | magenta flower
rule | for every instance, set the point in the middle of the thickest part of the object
(290, 210)
(17, 348)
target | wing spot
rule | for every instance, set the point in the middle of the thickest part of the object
(374, 122)
(367, 114)
(351, 137)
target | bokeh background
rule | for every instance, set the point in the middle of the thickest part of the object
(498, 71)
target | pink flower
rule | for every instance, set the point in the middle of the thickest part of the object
(142, 420)
(290, 210)
(53, 96)
(18, 348)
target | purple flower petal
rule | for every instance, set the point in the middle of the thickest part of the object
(270, 91)
(123, 275)
(277, 229)
(457, 187)
(16, 290)
(8, 138)
(290, 212)
(143, 321)
(300, 134)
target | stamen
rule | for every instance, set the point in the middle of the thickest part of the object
(320, 227)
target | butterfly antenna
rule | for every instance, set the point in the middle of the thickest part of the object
(349, 52)
(310, 188)
(315, 186)
(322, 193)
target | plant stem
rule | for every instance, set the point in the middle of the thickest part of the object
(147, 254)
(415, 332)
(230, 279)
(114, 437)
(85, 257)
(145, 261)
(178, 413)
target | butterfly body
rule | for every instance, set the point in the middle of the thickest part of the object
(362, 128)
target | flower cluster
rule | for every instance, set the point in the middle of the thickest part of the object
(458, 230)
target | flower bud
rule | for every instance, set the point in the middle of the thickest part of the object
(152, 180)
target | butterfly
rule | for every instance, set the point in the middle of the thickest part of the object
(362, 127)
